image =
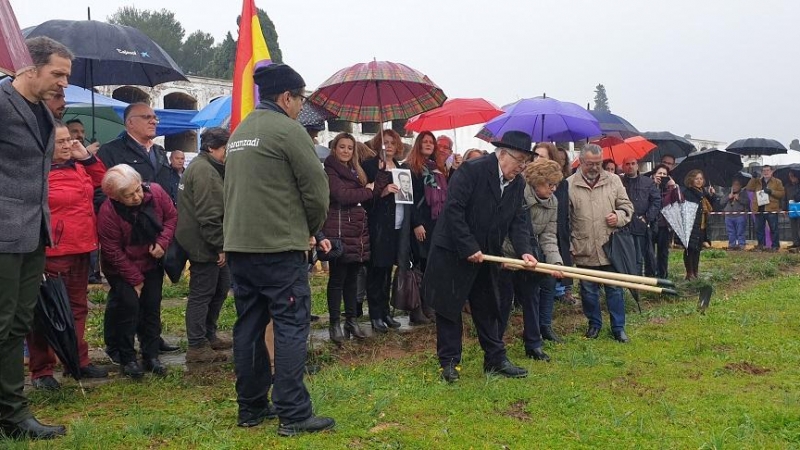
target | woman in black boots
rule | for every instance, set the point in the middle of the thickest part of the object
(347, 221)
(695, 192)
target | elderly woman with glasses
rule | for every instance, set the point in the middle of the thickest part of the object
(74, 174)
(135, 225)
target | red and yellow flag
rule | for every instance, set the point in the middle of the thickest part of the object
(251, 53)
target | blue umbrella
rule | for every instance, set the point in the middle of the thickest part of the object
(215, 113)
(544, 119)
(614, 125)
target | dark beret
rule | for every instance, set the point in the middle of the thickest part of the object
(277, 79)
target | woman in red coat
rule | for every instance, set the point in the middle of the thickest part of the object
(347, 221)
(74, 174)
(135, 224)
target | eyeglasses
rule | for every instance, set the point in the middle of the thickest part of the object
(522, 162)
(303, 98)
(148, 117)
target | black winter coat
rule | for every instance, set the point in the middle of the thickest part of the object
(646, 199)
(564, 231)
(381, 215)
(347, 219)
(420, 215)
(476, 217)
(699, 236)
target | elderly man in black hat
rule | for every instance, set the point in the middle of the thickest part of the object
(484, 205)
(276, 198)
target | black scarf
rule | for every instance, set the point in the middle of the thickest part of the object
(145, 226)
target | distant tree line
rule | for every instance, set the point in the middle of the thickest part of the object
(198, 54)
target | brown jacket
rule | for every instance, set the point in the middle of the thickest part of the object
(588, 208)
(775, 185)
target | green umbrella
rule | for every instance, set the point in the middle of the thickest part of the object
(108, 122)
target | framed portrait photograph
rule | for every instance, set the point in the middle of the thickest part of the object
(402, 178)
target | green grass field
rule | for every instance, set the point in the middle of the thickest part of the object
(726, 379)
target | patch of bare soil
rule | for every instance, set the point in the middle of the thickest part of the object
(517, 410)
(658, 320)
(747, 367)
(381, 427)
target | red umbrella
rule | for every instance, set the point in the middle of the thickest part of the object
(377, 91)
(13, 52)
(618, 150)
(455, 113)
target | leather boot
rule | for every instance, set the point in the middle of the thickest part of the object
(378, 326)
(335, 331)
(390, 322)
(351, 328)
(417, 317)
(549, 334)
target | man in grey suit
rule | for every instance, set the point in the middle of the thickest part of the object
(26, 151)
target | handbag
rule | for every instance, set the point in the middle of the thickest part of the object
(762, 198)
(337, 245)
(405, 289)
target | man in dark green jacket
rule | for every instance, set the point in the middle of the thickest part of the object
(199, 232)
(276, 199)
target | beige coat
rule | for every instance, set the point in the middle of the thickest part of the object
(588, 208)
(775, 185)
(544, 223)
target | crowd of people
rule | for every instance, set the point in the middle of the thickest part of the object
(255, 207)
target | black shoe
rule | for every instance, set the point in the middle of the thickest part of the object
(314, 318)
(156, 366)
(114, 356)
(351, 327)
(32, 429)
(47, 383)
(310, 425)
(256, 419)
(335, 332)
(506, 369)
(537, 354)
(166, 347)
(378, 326)
(450, 373)
(132, 370)
(548, 334)
(621, 336)
(390, 322)
(92, 371)
(592, 332)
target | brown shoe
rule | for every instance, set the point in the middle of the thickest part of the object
(221, 344)
(204, 354)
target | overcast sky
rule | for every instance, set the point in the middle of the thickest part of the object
(715, 69)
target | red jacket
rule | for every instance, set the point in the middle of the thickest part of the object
(347, 219)
(74, 225)
(129, 261)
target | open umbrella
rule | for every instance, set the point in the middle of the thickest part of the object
(215, 113)
(667, 144)
(782, 172)
(13, 52)
(618, 149)
(756, 146)
(53, 319)
(544, 119)
(313, 116)
(377, 91)
(719, 167)
(614, 125)
(455, 113)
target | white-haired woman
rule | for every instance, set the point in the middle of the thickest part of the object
(135, 226)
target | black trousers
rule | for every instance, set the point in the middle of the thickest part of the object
(486, 316)
(525, 287)
(271, 287)
(208, 288)
(133, 315)
(663, 241)
(20, 278)
(379, 286)
(343, 284)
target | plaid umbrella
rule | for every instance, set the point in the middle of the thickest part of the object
(13, 52)
(377, 91)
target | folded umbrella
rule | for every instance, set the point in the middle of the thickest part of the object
(680, 216)
(621, 251)
(53, 319)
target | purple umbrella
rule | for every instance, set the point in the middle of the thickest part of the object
(545, 119)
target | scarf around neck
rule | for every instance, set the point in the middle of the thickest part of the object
(145, 225)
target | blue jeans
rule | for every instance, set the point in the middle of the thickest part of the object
(736, 226)
(590, 301)
(547, 298)
(772, 220)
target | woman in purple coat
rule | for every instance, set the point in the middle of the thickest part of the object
(347, 221)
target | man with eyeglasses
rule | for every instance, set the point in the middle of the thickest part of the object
(599, 206)
(135, 148)
(485, 203)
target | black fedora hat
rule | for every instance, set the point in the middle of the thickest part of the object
(515, 140)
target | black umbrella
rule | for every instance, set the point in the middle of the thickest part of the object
(313, 116)
(621, 252)
(719, 167)
(782, 172)
(756, 146)
(107, 54)
(53, 319)
(666, 144)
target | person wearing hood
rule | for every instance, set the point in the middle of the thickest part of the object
(199, 232)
